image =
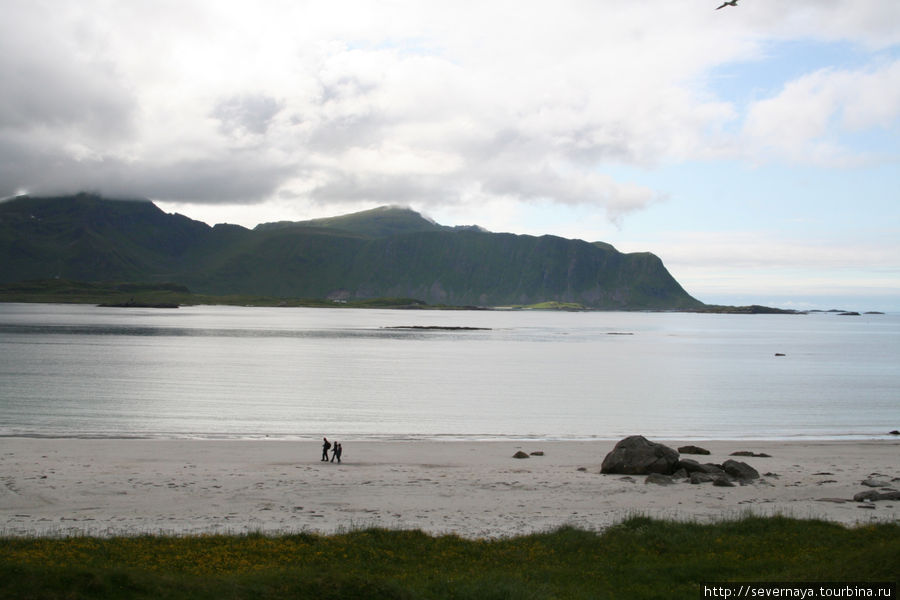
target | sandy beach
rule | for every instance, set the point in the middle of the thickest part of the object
(473, 489)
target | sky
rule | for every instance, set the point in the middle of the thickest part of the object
(755, 149)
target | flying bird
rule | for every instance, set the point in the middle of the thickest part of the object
(728, 3)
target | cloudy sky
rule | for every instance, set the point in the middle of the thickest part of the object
(755, 149)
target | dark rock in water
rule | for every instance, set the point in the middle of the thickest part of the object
(659, 479)
(698, 477)
(133, 304)
(780, 354)
(538, 453)
(723, 482)
(438, 327)
(849, 313)
(680, 474)
(520, 454)
(636, 455)
(752, 454)
(693, 450)
(894, 432)
(892, 495)
(740, 470)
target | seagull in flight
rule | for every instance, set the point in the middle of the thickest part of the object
(728, 3)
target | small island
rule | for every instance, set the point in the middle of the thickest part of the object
(133, 304)
(438, 327)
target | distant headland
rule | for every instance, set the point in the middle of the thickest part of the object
(126, 253)
(387, 252)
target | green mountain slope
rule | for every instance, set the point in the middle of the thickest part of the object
(87, 238)
(382, 252)
(377, 222)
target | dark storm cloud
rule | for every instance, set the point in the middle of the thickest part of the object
(73, 117)
(227, 178)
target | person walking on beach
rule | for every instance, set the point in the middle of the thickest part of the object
(336, 454)
(326, 446)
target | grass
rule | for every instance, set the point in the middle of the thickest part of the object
(639, 558)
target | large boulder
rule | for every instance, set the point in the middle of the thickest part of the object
(692, 466)
(698, 477)
(636, 455)
(740, 470)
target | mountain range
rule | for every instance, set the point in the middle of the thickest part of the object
(384, 252)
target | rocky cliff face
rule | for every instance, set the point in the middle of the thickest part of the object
(384, 252)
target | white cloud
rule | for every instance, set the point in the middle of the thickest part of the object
(805, 121)
(428, 104)
(872, 23)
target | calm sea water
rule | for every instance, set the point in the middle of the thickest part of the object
(77, 370)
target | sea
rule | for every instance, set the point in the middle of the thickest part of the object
(224, 372)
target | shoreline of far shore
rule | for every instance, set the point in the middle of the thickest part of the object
(55, 486)
(188, 299)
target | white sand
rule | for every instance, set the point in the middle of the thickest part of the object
(474, 489)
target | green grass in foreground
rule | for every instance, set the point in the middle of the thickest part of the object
(640, 558)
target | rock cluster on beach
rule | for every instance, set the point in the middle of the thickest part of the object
(881, 490)
(874, 495)
(636, 455)
(521, 454)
